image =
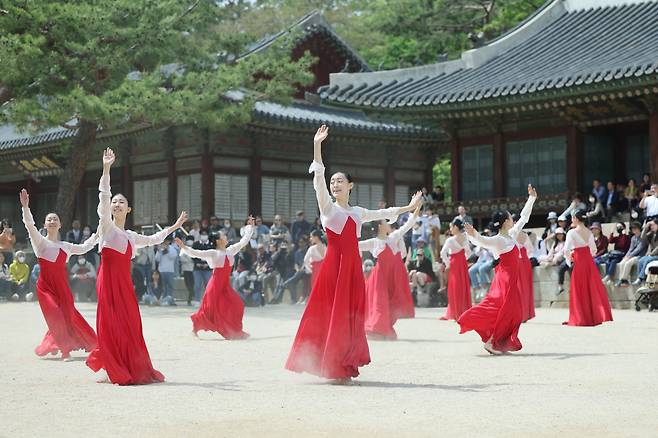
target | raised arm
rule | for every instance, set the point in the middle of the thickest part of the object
(36, 239)
(83, 247)
(248, 231)
(391, 213)
(404, 229)
(104, 209)
(525, 213)
(142, 240)
(205, 254)
(494, 243)
(317, 168)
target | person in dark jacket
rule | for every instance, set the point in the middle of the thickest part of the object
(283, 263)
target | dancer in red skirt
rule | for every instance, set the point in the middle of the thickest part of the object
(67, 329)
(331, 340)
(456, 250)
(525, 274)
(313, 260)
(499, 315)
(121, 348)
(221, 308)
(588, 298)
(381, 286)
(402, 302)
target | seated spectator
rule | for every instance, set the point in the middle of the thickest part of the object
(83, 280)
(241, 268)
(576, 204)
(261, 232)
(646, 183)
(6, 285)
(637, 249)
(74, 235)
(649, 203)
(167, 260)
(420, 272)
(7, 241)
(155, 293)
(278, 231)
(437, 194)
(551, 225)
(317, 225)
(563, 222)
(595, 212)
(555, 247)
(299, 273)
(265, 270)
(611, 201)
(621, 243)
(598, 190)
(421, 246)
(229, 231)
(650, 235)
(480, 271)
(214, 227)
(631, 195)
(19, 271)
(461, 215)
(601, 243)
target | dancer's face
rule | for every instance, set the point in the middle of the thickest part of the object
(52, 222)
(385, 227)
(340, 186)
(222, 241)
(120, 207)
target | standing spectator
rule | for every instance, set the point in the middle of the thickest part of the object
(229, 231)
(74, 235)
(576, 204)
(205, 226)
(426, 198)
(649, 202)
(19, 271)
(214, 227)
(265, 271)
(646, 183)
(601, 243)
(278, 231)
(598, 190)
(461, 215)
(195, 230)
(621, 244)
(299, 273)
(611, 200)
(166, 258)
(261, 232)
(418, 232)
(83, 279)
(596, 212)
(144, 262)
(637, 249)
(432, 225)
(6, 284)
(202, 271)
(7, 241)
(650, 235)
(187, 268)
(301, 227)
(437, 194)
(283, 264)
(631, 195)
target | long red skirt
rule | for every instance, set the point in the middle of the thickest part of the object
(331, 339)
(526, 286)
(222, 308)
(499, 315)
(380, 291)
(588, 298)
(121, 348)
(67, 329)
(402, 302)
(459, 287)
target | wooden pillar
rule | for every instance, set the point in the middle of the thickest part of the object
(653, 144)
(499, 166)
(207, 179)
(574, 158)
(389, 176)
(172, 183)
(255, 181)
(455, 168)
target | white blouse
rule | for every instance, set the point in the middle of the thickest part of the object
(500, 244)
(452, 246)
(313, 254)
(395, 240)
(333, 216)
(49, 250)
(110, 235)
(575, 240)
(216, 257)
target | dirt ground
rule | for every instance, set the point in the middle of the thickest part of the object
(432, 382)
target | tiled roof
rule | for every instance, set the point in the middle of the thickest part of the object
(566, 45)
(311, 25)
(303, 114)
(12, 138)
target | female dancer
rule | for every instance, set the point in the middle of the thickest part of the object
(313, 260)
(221, 308)
(121, 348)
(67, 329)
(454, 253)
(331, 340)
(381, 287)
(402, 302)
(525, 274)
(588, 299)
(498, 317)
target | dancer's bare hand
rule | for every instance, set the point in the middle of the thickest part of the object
(179, 243)
(532, 191)
(25, 198)
(181, 220)
(321, 134)
(469, 229)
(108, 157)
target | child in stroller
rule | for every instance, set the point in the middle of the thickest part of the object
(648, 294)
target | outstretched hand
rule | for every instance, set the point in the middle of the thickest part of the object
(416, 200)
(251, 221)
(25, 198)
(181, 220)
(532, 191)
(469, 229)
(179, 243)
(108, 157)
(321, 134)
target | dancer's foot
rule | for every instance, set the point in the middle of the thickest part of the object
(102, 377)
(343, 382)
(489, 347)
(66, 357)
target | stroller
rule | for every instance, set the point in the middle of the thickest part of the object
(648, 294)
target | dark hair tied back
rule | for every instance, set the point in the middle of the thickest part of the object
(580, 214)
(497, 220)
(458, 223)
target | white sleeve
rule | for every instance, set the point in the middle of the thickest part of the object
(204, 254)
(568, 246)
(592, 244)
(445, 251)
(232, 250)
(83, 247)
(467, 249)
(36, 239)
(404, 229)
(525, 217)
(493, 243)
(390, 214)
(367, 245)
(320, 186)
(142, 241)
(104, 209)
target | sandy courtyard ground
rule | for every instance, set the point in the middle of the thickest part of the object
(586, 382)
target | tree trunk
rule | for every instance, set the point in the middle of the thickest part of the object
(76, 164)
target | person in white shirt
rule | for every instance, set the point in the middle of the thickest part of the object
(167, 258)
(649, 203)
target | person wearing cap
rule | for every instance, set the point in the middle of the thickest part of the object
(301, 227)
(600, 241)
(551, 225)
(650, 236)
(621, 244)
(421, 245)
(555, 254)
(637, 249)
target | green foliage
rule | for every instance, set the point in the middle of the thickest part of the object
(442, 175)
(79, 59)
